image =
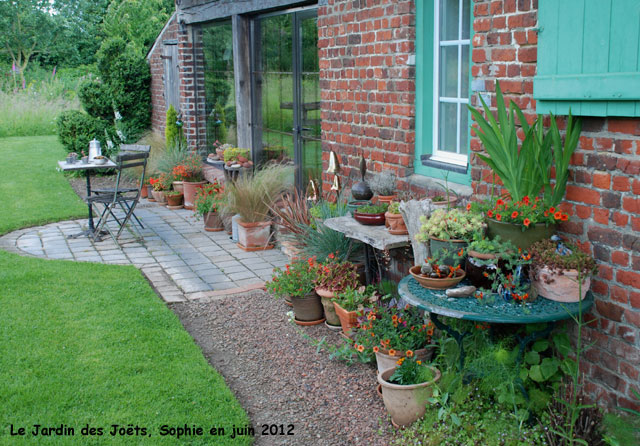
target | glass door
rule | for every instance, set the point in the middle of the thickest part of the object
(286, 93)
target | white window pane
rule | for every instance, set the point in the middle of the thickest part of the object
(466, 19)
(449, 19)
(464, 129)
(449, 71)
(448, 127)
(464, 88)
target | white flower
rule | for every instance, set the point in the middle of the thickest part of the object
(290, 316)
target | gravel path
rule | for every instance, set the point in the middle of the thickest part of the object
(280, 378)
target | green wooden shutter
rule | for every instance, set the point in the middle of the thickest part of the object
(588, 57)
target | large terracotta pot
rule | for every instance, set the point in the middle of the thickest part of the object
(159, 197)
(348, 319)
(385, 361)
(254, 236)
(395, 224)
(514, 233)
(562, 288)
(178, 186)
(326, 297)
(308, 308)
(406, 404)
(190, 192)
(213, 222)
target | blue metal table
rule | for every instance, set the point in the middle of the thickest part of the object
(542, 310)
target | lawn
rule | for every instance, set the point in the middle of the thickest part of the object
(89, 344)
(35, 193)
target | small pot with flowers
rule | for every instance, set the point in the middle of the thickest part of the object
(192, 176)
(207, 205)
(407, 388)
(523, 222)
(560, 271)
(391, 333)
(334, 277)
(394, 220)
(437, 273)
(350, 304)
(159, 185)
(174, 199)
(372, 214)
(295, 283)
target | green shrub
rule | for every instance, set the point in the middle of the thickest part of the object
(95, 99)
(171, 129)
(76, 129)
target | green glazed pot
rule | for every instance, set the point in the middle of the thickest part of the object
(353, 205)
(452, 246)
(514, 233)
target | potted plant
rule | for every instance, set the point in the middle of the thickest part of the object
(372, 214)
(159, 185)
(251, 197)
(350, 303)
(394, 220)
(192, 177)
(72, 157)
(556, 269)
(207, 206)
(295, 283)
(449, 230)
(484, 257)
(384, 186)
(334, 277)
(391, 333)
(174, 199)
(437, 275)
(406, 389)
(354, 205)
(236, 160)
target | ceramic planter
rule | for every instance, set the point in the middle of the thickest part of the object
(514, 233)
(352, 206)
(190, 189)
(174, 201)
(395, 224)
(326, 297)
(452, 247)
(385, 361)
(213, 222)
(436, 284)
(150, 192)
(348, 319)
(561, 287)
(476, 265)
(406, 404)
(254, 236)
(159, 196)
(308, 309)
(369, 219)
(178, 186)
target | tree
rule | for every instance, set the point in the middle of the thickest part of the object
(27, 29)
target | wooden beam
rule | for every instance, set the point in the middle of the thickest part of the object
(197, 11)
(242, 69)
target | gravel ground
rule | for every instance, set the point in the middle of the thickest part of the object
(280, 378)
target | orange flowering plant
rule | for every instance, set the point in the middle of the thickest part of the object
(411, 371)
(525, 212)
(190, 170)
(296, 280)
(336, 276)
(393, 331)
(208, 198)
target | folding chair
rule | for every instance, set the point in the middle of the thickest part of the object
(124, 198)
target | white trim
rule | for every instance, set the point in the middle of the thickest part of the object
(450, 158)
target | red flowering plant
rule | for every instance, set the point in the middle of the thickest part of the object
(336, 276)
(190, 170)
(208, 198)
(296, 280)
(393, 331)
(163, 182)
(525, 212)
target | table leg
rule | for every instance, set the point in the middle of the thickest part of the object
(367, 265)
(91, 225)
(459, 337)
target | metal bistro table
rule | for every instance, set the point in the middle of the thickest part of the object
(88, 168)
(542, 310)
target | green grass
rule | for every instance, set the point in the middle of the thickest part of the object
(35, 193)
(31, 113)
(92, 344)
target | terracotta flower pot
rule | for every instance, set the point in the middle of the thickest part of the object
(348, 319)
(213, 222)
(406, 404)
(386, 199)
(513, 232)
(178, 186)
(308, 308)
(254, 236)
(385, 361)
(436, 284)
(159, 197)
(144, 192)
(190, 192)
(369, 219)
(443, 204)
(326, 297)
(395, 224)
(174, 201)
(561, 287)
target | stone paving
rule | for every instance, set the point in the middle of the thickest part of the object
(181, 260)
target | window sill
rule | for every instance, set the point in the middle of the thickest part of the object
(430, 161)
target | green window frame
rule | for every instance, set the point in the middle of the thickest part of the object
(429, 161)
(588, 58)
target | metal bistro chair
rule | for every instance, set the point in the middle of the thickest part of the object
(124, 198)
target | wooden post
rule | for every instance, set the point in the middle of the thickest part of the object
(242, 69)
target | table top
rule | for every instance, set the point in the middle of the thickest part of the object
(89, 166)
(376, 236)
(499, 311)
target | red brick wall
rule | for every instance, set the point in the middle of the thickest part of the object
(159, 108)
(603, 196)
(368, 87)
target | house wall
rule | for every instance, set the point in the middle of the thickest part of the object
(603, 196)
(156, 63)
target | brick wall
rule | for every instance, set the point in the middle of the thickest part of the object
(603, 196)
(156, 63)
(368, 88)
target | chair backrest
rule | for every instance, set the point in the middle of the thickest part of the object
(129, 157)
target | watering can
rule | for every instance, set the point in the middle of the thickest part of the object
(94, 149)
